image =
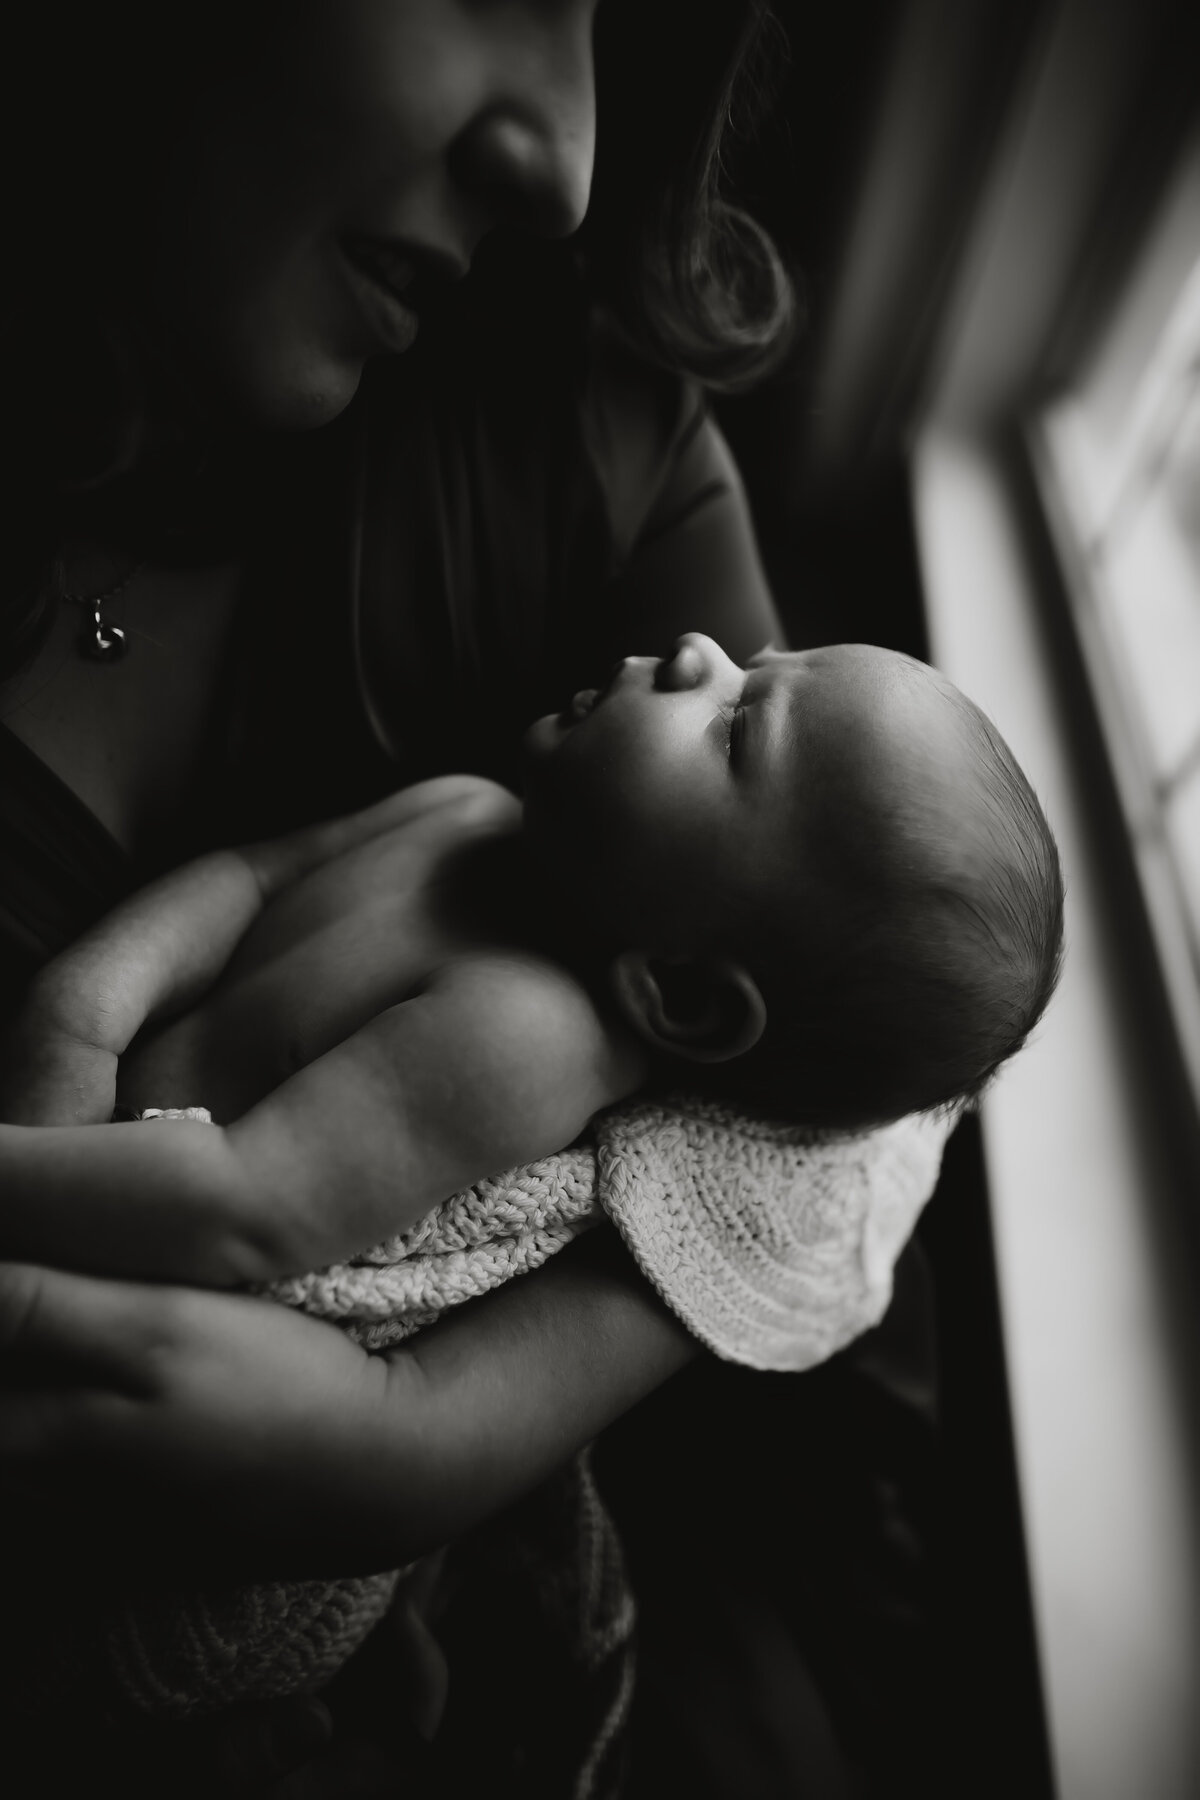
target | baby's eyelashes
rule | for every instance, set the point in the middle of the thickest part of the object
(729, 722)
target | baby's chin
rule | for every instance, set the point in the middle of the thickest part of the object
(543, 736)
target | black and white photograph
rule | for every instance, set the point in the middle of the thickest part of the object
(600, 900)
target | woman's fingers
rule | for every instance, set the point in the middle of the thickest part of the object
(258, 1425)
(59, 1325)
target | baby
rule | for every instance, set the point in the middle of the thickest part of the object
(820, 887)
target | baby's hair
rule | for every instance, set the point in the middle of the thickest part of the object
(932, 970)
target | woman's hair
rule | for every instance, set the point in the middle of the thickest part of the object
(693, 278)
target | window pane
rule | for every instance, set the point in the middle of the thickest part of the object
(1183, 827)
(1149, 586)
(1124, 449)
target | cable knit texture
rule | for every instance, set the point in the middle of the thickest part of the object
(774, 1246)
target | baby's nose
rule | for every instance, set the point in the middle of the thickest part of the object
(694, 660)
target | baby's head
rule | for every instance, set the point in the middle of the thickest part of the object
(823, 879)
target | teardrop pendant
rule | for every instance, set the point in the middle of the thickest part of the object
(100, 640)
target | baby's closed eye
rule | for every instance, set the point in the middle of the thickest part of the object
(729, 719)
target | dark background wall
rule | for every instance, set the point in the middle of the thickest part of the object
(841, 560)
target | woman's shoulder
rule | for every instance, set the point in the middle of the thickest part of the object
(655, 448)
(639, 422)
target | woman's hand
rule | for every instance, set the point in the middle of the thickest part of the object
(215, 1431)
(203, 1426)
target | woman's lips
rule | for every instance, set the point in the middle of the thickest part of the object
(382, 280)
(388, 263)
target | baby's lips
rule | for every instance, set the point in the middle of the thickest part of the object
(585, 700)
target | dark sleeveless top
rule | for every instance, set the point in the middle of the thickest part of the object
(456, 556)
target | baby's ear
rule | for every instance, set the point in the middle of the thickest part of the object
(703, 1008)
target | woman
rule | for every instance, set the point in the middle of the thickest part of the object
(349, 401)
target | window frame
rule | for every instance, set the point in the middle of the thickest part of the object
(1092, 1138)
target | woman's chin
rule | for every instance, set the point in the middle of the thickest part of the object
(302, 400)
(277, 392)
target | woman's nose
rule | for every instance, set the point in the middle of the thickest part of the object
(529, 153)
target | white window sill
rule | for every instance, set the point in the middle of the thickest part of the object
(1085, 1204)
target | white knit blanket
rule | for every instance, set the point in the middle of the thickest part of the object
(774, 1246)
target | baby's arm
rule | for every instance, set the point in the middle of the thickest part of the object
(498, 1060)
(155, 955)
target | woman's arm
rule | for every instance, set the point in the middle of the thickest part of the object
(216, 1431)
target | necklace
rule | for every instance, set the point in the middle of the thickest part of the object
(99, 640)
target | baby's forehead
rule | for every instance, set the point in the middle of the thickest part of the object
(868, 728)
(862, 659)
(853, 679)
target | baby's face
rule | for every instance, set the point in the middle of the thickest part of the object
(687, 788)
